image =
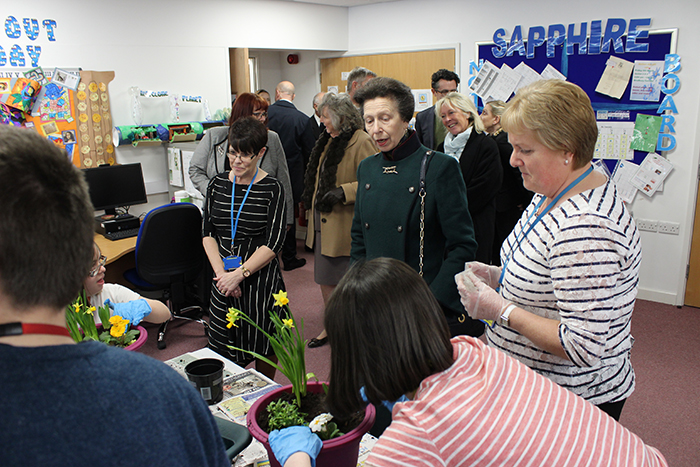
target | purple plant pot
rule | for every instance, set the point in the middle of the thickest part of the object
(337, 452)
(138, 343)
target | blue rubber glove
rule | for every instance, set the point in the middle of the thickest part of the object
(387, 404)
(286, 442)
(134, 310)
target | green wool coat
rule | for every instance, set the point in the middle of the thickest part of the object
(387, 219)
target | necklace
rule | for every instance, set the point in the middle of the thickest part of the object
(18, 329)
(497, 132)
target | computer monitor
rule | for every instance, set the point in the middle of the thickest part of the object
(113, 186)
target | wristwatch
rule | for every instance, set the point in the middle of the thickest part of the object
(504, 319)
(246, 271)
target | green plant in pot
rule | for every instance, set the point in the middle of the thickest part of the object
(287, 406)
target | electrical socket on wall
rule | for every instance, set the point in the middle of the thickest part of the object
(647, 225)
(672, 228)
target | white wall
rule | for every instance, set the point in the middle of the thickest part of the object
(399, 25)
(164, 45)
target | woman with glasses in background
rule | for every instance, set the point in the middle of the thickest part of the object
(122, 301)
(209, 158)
(244, 219)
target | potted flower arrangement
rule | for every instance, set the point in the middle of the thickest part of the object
(114, 330)
(299, 402)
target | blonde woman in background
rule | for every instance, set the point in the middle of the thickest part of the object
(478, 158)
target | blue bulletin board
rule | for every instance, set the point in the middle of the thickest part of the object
(585, 70)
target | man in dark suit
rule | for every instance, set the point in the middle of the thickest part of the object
(290, 124)
(314, 126)
(431, 132)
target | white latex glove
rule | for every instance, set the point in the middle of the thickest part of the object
(489, 274)
(479, 300)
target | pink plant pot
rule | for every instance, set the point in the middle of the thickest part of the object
(337, 452)
(138, 343)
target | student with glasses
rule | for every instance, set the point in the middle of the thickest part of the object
(243, 233)
(122, 301)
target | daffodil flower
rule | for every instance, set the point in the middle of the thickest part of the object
(232, 317)
(280, 298)
(77, 307)
(90, 310)
(288, 323)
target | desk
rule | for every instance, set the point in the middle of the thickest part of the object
(115, 249)
(120, 257)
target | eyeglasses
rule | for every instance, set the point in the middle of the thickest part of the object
(445, 92)
(240, 156)
(100, 262)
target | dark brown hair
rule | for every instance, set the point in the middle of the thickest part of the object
(46, 222)
(247, 135)
(387, 333)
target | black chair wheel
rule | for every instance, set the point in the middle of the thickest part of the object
(161, 341)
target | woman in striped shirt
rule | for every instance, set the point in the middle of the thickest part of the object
(467, 404)
(563, 299)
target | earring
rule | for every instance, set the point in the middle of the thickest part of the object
(566, 161)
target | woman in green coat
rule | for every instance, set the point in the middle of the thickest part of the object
(434, 235)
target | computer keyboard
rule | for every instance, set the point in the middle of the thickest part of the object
(126, 233)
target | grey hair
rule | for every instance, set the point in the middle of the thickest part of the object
(359, 74)
(462, 103)
(343, 114)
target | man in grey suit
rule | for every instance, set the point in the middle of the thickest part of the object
(431, 132)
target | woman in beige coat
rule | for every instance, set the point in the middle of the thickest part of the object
(330, 185)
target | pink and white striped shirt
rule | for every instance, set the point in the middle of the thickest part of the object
(488, 409)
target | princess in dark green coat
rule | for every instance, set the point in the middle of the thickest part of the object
(387, 219)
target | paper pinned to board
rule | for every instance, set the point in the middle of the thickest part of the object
(615, 77)
(622, 176)
(651, 174)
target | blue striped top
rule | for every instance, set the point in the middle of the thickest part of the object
(579, 265)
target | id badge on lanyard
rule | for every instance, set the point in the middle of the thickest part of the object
(234, 261)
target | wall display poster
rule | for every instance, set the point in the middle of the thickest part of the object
(94, 119)
(651, 174)
(175, 166)
(624, 172)
(614, 140)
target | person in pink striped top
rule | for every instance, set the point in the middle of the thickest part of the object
(467, 404)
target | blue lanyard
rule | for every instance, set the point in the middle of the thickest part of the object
(520, 238)
(245, 197)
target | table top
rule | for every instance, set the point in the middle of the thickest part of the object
(115, 249)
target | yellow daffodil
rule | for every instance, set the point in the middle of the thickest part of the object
(77, 306)
(90, 310)
(232, 317)
(288, 323)
(280, 298)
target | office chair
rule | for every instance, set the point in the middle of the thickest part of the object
(169, 257)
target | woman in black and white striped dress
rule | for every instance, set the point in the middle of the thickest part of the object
(570, 267)
(258, 218)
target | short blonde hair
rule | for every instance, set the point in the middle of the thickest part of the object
(462, 103)
(560, 115)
